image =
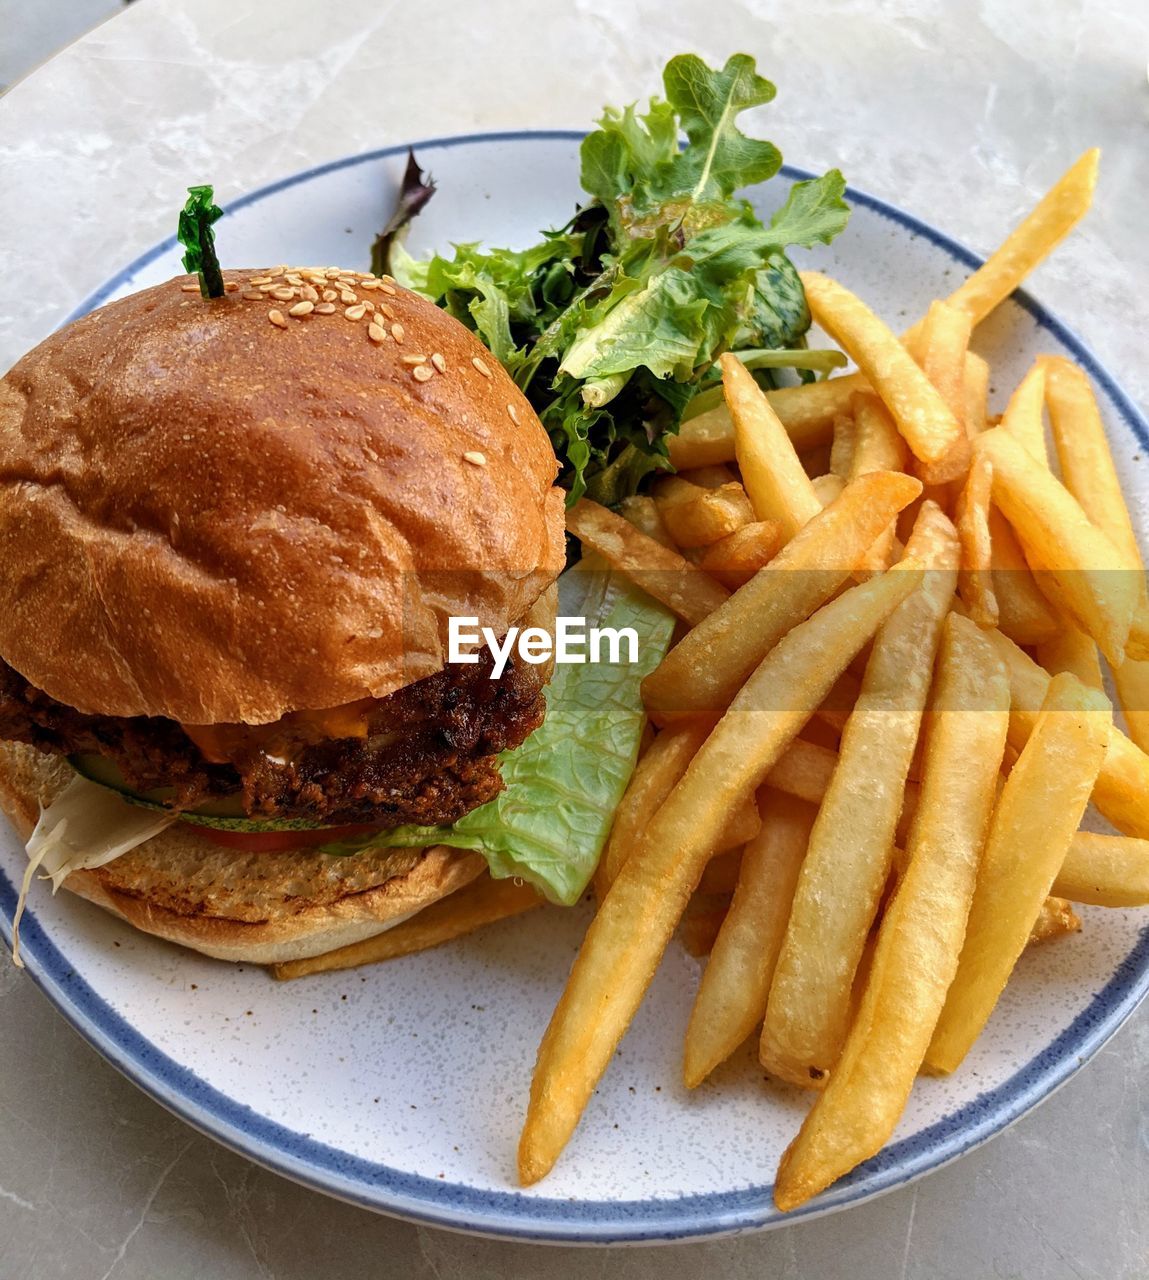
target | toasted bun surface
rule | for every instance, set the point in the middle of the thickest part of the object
(260, 908)
(209, 517)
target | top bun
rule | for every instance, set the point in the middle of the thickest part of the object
(215, 516)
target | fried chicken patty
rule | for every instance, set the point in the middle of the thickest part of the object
(430, 754)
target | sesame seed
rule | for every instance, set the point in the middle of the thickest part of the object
(482, 368)
(512, 414)
(376, 334)
(294, 278)
(475, 458)
(347, 296)
(369, 284)
(387, 311)
(413, 359)
(325, 309)
(355, 313)
(270, 287)
(252, 295)
(232, 286)
(277, 317)
(277, 271)
(284, 295)
(332, 273)
(329, 295)
(388, 288)
(260, 280)
(387, 279)
(438, 361)
(303, 308)
(397, 331)
(422, 373)
(310, 294)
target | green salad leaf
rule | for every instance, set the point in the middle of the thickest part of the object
(196, 236)
(564, 783)
(612, 324)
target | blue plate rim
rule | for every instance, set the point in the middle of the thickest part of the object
(513, 1215)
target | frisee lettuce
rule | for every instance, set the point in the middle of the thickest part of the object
(613, 323)
(564, 783)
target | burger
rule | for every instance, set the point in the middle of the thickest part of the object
(234, 531)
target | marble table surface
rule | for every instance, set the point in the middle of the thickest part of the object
(959, 110)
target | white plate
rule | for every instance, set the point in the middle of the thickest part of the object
(402, 1087)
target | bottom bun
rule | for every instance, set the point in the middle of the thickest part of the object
(260, 908)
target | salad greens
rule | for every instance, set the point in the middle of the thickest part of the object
(612, 324)
(197, 237)
(565, 782)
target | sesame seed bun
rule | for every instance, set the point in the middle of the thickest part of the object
(225, 510)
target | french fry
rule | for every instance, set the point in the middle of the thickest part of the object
(1132, 683)
(803, 771)
(695, 516)
(1024, 614)
(1083, 452)
(1055, 919)
(1105, 871)
(1024, 415)
(776, 485)
(928, 425)
(735, 559)
(828, 488)
(709, 477)
(479, 903)
(976, 394)
(848, 862)
(662, 573)
(742, 824)
(654, 777)
(642, 512)
(634, 923)
(701, 674)
(878, 446)
(1034, 822)
(1089, 474)
(1091, 580)
(1074, 652)
(1055, 215)
(1121, 792)
(921, 932)
(940, 349)
(976, 582)
(842, 448)
(807, 412)
(732, 994)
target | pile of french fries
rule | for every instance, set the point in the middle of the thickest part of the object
(883, 720)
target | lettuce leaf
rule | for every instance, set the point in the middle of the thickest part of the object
(564, 783)
(612, 324)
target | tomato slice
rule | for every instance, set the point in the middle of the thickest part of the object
(281, 841)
